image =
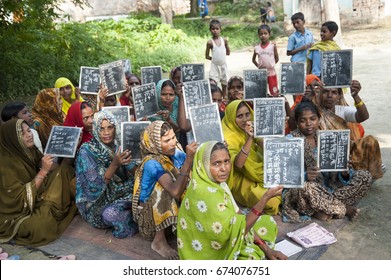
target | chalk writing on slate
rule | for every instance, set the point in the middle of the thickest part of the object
(283, 162)
(336, 70)
(192, 72)
(196, 93)
(89, 80)
(112, 76)
(92, 99)
(151, 74)
(255, 83)
(130, 137)
(144, 100)
(63, 141)
(269, 117)
(121, 113)
(292, 78)
(333, 150)
(205, 123)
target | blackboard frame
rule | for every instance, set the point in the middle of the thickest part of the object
(299, 143)
(276, 100)
(122, 80)
(118, 108)
(194, 128)
(123, 147)
(246, 86)
(294, 66)
(321, 133)
(81, 84)
(136, 103)
(324, 69)
(142, 71)
(75, 142)
(186, 93)
(184, 77)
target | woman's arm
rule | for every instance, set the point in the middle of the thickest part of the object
(362, 113)
(183, 123)
(47, 162)
(241, 158)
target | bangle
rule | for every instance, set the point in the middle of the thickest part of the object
(256, 212)
(184, 175)
(359, 104)
(259, 242)
(244, 152)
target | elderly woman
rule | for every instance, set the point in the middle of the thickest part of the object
(36, 195)
(104, 183)
(210, 225)
(159, 184)
(69, 94)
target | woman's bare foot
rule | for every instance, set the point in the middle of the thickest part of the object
(322, 216)
(160, 246)
(352, 212)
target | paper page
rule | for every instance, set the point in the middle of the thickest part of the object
(287, 248)
(312, 235)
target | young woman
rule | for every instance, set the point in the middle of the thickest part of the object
(81, 114)
(69, 94)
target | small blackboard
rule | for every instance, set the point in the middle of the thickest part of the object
(192, 72)
(333, 150)
(269, 117)
(195, 94)
(336, 68)
(89, 80)
(206, 124)
(120, 113)
(292, 78)
(127, 65)
(283, 162)
(145, 100)
(255, 83)
(151, 74)
(112, 76)
(92, 99)
(130, 137)
(63, 141)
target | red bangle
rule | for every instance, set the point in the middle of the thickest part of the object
(256, 212)
(259, 242)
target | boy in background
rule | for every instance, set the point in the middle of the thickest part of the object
(220, 49)
(299, 41)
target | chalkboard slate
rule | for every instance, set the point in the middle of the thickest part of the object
(130, 137)
(255, 83)
(195, 94)
(151, 74)
(283, 162)
(205, 123)
(92, 99)
(269, 117)
(121, 113)
(127, 65)
(144, 100)
(112, 76)
(63, 141)
(336, 68)
(292, 78)
(192, 72)
(89, 80)
(333, 150)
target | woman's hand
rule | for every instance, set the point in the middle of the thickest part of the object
(103, 93)
(272, 192)
(77, 93)
(165, 114)
(355, 88)
(122, 158)
(47, 162)
(191, 149)
(275, 255)
(249, 129)
(312, 173)
(179, 89)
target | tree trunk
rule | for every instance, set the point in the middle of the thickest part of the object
(331, 12)
(165, 9)
(194, 8)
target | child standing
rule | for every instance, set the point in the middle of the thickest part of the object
(299, 41)
(267, 57)
(327, 33)
(220, 49)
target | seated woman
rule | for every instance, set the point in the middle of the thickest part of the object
(47, 112)
(325, 195)
(104, 183)
(81, 114)
(210, 225)
(235, 88)
(69, 94)
(246, 180)
(159, 184)
(126, 98)
(36, 195)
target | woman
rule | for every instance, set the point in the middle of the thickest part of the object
(47, 112)
(104, 183)
(246, 179)
(81, 114)
(325, 195)
(69, 94)
(126, 98)
(159, 184)
(235, 88)
(210, 225)
(36, 195)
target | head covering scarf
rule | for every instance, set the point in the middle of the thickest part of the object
(75, 118)
(46, 113)
(62, 82)
(175, 104)
(99, 117)
(209, 225)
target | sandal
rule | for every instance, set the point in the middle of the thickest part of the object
(66, 258)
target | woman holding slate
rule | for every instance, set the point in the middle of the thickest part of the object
(104, 182)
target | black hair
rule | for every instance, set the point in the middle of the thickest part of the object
(305, 105)
(298, 15)
(331, 26)
(219, 146)
(234, 78)
(166, 127)
(168, 83)
(130, 75)
(264, 26)
(11, 110)
(84, 105)
(214, 22)
(269, 4)
(242, 104)
(215, 88)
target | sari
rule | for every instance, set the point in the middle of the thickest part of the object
(328, 193)
(62, 82)
(46, 113)
(101, 204)
(159, 210)
(75, 118)
(28, 215)
(246, 184)
(210, 226)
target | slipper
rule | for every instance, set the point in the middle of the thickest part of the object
(13, 257)
(3, 256)
(67, 258)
